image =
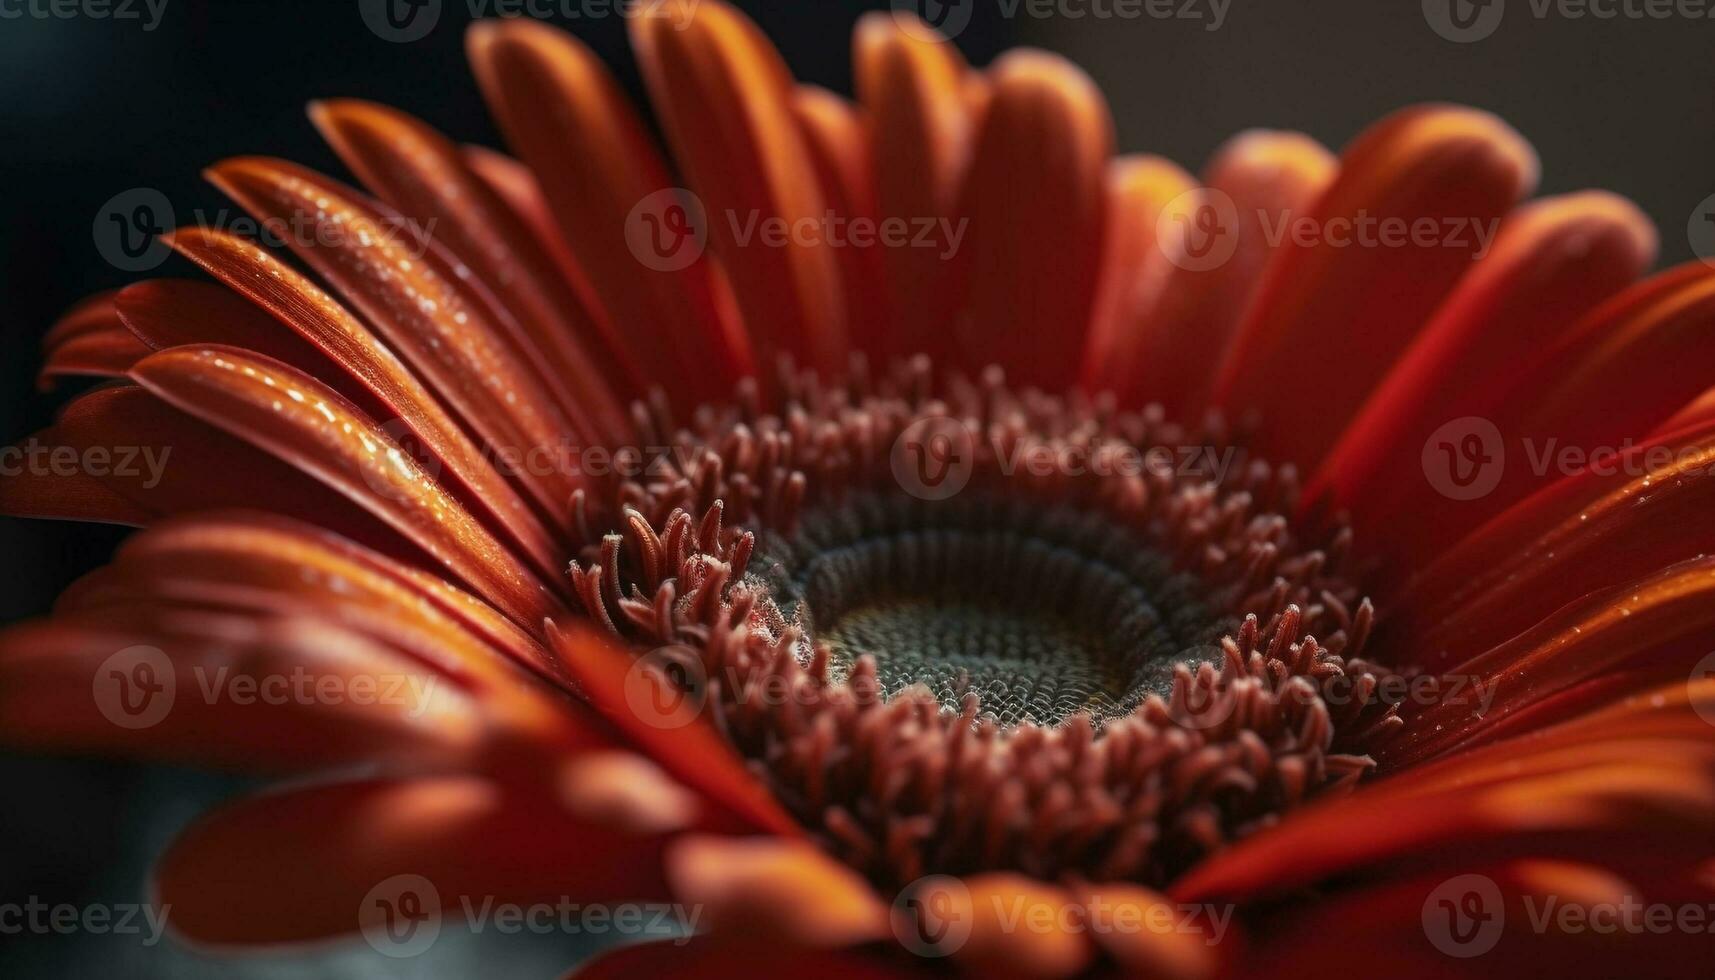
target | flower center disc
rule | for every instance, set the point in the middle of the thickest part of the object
(1042, 612)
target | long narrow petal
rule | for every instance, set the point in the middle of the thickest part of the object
(88, 340)
(423, 175)
(1553, 261)
(1036, 202)
(307, 424)
(725, 99)
(162, 461)
(911, 88)
(1415, 198)
(1644, 764)
(296, 302)
(1135, 275)
(1665, 615)
(693, 753)
(326, 860)
(425, 317)
(1621, 519)
(234, 691)
(1271, 179)
(788, 888)
(566, 118)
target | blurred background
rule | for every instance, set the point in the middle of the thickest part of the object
(151, 92)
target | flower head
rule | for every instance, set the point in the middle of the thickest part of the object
(905, 532)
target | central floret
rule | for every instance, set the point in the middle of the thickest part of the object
(1041, 612)
(986, 629)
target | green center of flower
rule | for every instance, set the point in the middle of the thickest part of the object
(1043, 612)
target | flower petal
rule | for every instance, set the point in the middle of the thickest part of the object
(595, 163)
(1135, 275)
(910, 88)
(88, 340)
(427, 318)
(1665, 614)
(1018, 928)
(693, 753)
(1036, 200)
(1643, 766)
(1271, 178)
(323, 860)
(162, 461)
(787, 888)
(286, 567)
(838, 139)
(1553, 261)
(421, 174)
(725, 100)
(239, 692)
(303, 422)
(1347, 304)
(1627, 517)
(319, 319)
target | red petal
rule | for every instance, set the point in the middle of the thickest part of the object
(910, 87)
(725, 100)
(322, 861)
(788, 888)
(595, 164)
(693, 753)
(439, 331)
(1346, 310)
(240, 692)
(303, 422)
(296, 302)
(422, 174)
(1193, 317)
(1552, 262)
(1036, 201)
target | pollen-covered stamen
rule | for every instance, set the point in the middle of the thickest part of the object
(1158, 755)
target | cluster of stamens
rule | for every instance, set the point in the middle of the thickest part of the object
(1178, 667)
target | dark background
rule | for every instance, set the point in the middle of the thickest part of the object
(91, 107)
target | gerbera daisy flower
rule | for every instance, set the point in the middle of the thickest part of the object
(905, 533)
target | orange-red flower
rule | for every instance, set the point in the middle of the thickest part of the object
(903, 629)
